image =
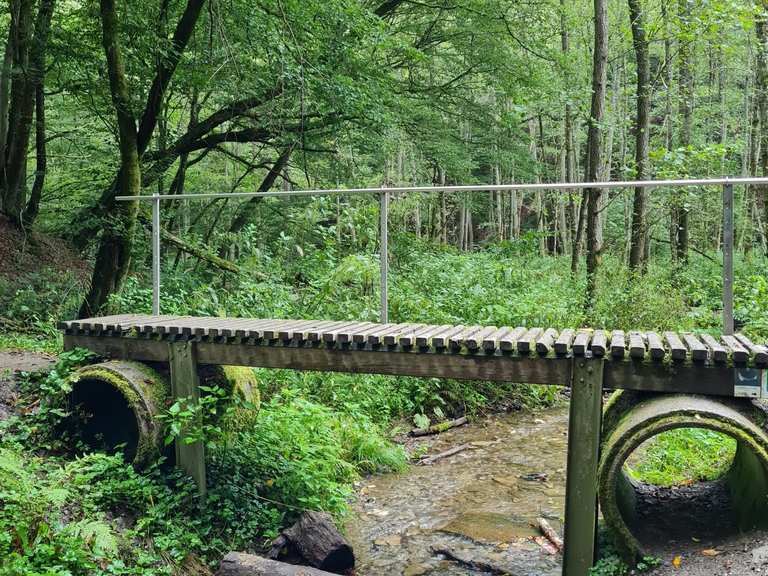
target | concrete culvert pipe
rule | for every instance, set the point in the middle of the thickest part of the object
(634, 419)
(115, 405)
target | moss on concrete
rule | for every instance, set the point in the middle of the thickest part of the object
(145, 392)
(631, 427)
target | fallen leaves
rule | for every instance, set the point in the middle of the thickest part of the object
(677, 561)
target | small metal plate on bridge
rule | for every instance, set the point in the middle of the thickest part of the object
(750, 383)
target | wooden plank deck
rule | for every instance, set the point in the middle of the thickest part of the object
(636, 360)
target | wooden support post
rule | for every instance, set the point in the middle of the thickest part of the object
(583, 453)
(185, 384)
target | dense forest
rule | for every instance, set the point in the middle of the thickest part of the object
(108, 98)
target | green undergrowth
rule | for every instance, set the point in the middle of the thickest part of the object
(610, 563)
(39, 341)
(69, 512)
(683, 456)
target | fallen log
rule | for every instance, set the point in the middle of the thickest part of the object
(317, 541)
(472, 563)
(432, 459)
(545, 544)
(441, 427)
(550, 534)
(239, 564)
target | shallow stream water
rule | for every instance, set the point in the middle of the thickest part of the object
(477, 505)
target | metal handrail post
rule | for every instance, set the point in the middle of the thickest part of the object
(728, 326)
(156, 253)
(384, 254)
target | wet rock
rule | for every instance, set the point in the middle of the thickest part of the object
(390, 540)
(489, 527)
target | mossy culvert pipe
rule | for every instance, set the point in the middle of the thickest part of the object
(632, 418)
(116, 404)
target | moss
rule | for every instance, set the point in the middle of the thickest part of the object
(145, 392)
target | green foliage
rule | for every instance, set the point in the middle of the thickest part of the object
(307, 455)
(683, 456)
(43, 405)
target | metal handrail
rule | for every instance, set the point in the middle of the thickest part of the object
(384, 196)
(461, 188)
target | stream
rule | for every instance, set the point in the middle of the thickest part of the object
(478, 504)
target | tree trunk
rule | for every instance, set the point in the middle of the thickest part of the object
(760, 137)
(642, 132)
(114, 255)
(685, 110)
(594, 146)
(41, 159)
(248, 209)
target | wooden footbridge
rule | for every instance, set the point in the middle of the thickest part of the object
(588, 361)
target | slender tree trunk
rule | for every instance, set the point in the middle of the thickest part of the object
(685, 110)
(594, 146)
(642, 131)
(41, 159)
(247, 210)
(760, 137)
(114, 256)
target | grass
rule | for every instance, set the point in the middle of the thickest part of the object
(683, 456)
(49, 343)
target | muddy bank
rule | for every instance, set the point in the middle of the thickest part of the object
(12, 363)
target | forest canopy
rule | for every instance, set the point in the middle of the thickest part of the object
(99, 99)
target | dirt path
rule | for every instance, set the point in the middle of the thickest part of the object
(11, 364)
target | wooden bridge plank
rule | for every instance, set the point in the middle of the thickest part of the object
(423, 337)
(618, 344)
(441, 341)
(393, 338)
(476, 340)
(676, 347)
(154, 326)
(508, 341)
(739, 353)
(376, 338)
(288, 332)
(345, 335)
(636, 345)
(490, 342)
(331, 334)
(699, 352)
(315, 333)
(599, 343)
(270, 331)
(759, 352)
(456, 341)
(564, 341)
(717, 351)
(581, 342)
(527, 342)
(655, 346)
(126, 322)
(546, 342)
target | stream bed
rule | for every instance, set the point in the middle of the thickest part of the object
(476, 505)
